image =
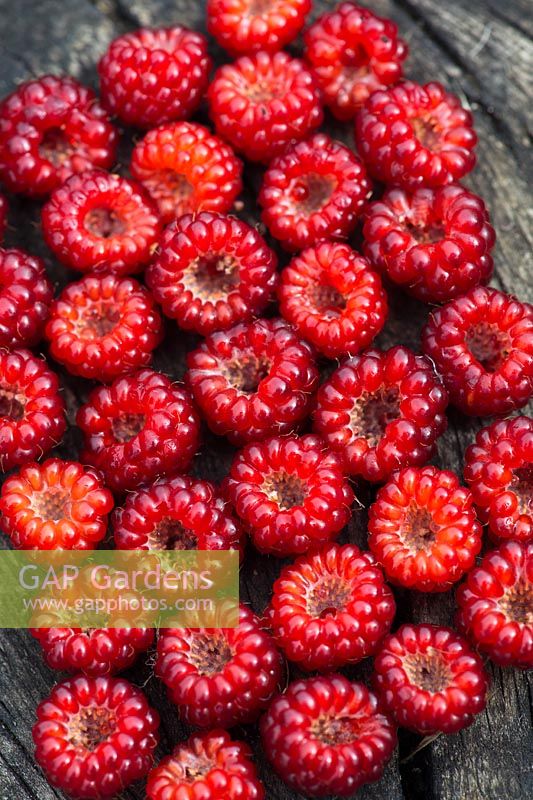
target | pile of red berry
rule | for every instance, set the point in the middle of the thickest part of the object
(254, 379)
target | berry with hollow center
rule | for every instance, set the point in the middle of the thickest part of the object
(352, 52)
(25, 298)
(99, 222)
(333, 298)
(482, 346)
(212, 272)
(245, 26)
(187, 169)
(262, 103)
(151, 76)
(414, 136)
(435, 243)
(381, 411)
(496, 605)
(315, 190)
(51, 128)
(430, 680)
(327, 736)
(3, 216)
(253, 381)
(95, 736)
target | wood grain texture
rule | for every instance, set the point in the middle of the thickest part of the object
(482, 51)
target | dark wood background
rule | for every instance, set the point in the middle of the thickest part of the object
(481, 49)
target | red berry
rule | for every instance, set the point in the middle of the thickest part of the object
(333, 299)
(212, 272)
(3, 216)
(101, 222)
(25, 298)
(55, 505)
(253, 381)
(51, 128)
(140, 427)
(262, 103)
(430, 680)
(290, 493)
(499, 472)
(423, 529)
(352, 53)
(313, 191)
(103, 326)
(482, 346)
(151, 76)
(414, 136)
(32, 411)
(186, 169)
(95, 736)
(246, 26)
(496, 605)
(327, 736)
(219, 676)
(435, 243)
(382, 411)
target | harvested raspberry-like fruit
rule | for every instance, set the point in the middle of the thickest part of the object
(435, 243)
(25, 298)
(430, 680)
(314, 191)
(353, 52)
(51, 128)
(414, 136)
(245, 26)
(423, 529)
(496, 605)
(209, 765)
(290, 493)
(32, 411)
(95, 736)
(140, 427)
(262, 103)
(219, 676)
(382, 411)
(99, 222)
(212, 272)
(187, 169)
(332, 726)
(482, 346)
(333, 298)
(499, 472)
(103, 326)
(253, 381)
(3, 216)
(151, 76)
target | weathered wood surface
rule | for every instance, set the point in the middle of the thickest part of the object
(481, 49)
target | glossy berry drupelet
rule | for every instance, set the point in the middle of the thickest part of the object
(315, 190)
(234, 671)
(414, 136)
(103, 326)
(290, 493)
(435, 243)
(381, 411)
(261, 103)
(353, 52)
(151, 76)
(25, 298)
(99, 222)
(331, 609)
(430, 680)
(482, 346)
(3, 216)
(499, 472)
(333, 727)
(95, 736)
(246, 26)
(51, 128)
(208, 765)
(187, 169)
(333, 299)
(212, 272)
(496, 605)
